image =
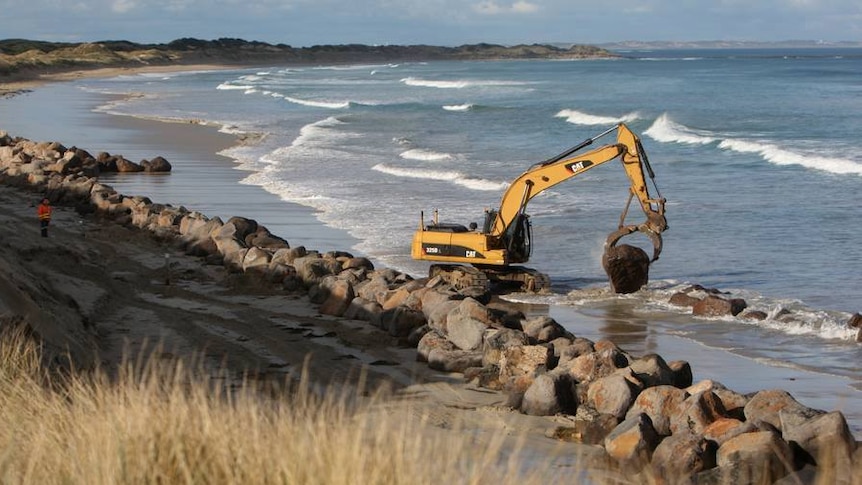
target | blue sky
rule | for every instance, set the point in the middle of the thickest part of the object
(436, 22)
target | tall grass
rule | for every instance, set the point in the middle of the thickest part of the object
(154, 423)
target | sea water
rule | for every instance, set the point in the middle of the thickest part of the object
(754, 150)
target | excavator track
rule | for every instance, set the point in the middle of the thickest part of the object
(479, 280)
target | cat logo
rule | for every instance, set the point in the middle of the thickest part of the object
(470, 254)
(579, 166)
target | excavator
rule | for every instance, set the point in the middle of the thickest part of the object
(477, 260)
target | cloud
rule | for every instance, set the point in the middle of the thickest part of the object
(490, 7)
(122, 6)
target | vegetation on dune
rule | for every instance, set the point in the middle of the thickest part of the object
(157, 423)
(24, 58)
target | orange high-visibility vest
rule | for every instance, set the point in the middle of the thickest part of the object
(44, 212)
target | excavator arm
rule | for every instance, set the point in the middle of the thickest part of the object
(568, 164)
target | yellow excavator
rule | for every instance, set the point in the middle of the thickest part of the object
(475, 259)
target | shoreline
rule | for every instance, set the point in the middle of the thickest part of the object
(194, 148)
(177, 135)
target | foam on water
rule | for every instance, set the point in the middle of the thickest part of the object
(667, 131)
(458, 84)
(441, 175)
(319, 104)
(580, 118)
(458, 107)
(425, 155)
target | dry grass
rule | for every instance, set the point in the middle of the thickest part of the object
(160, 424)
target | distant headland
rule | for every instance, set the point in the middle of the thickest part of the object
(25, 59)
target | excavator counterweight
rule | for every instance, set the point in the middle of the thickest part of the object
(504, 241)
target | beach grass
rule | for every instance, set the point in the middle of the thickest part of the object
(153, 422)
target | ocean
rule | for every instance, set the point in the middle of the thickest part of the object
(754, 150)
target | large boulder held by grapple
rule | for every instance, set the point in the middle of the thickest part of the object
(627, 268)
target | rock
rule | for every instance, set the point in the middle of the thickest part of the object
(337, 296)
(264, 239)
(401, 321)
(543, 329)
(733, 402)
(716, 306)
(696, 413)
(496, 341)
(454, 360)
(627, 268)
(588, 427)
(652, 370)
(682, 375)
(125, 166)
(826, 439)
(529, 360)
(578, 347)
(464, 331)
(749, 314)
(723, 429)
(596, 364)
(615, 393)
(632, 442)
(362, 309)
(430, 341)
(855, 321)
(775, 406)
(256, 261)
(761, 457)
(158, 164)
(683, 300)
(681, 456)
(549, 394)
(659, 403)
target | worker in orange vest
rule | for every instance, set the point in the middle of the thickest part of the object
(44, 212)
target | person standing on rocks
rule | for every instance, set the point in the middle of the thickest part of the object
(44, 212)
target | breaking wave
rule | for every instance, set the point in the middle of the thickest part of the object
(458, 107)
(581, 118)
(666, 130)
(460, 84)
(446, 176)
(425, 155)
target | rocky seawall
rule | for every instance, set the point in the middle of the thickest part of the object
(647, 414)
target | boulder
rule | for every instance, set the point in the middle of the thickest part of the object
(759, 457)
(588, 427)
(362, 309)
(683, 300)
(723, 429)
(614, 394)
(432, 340)
(465, 331)
(256, 261)
(262, 238)
(549, 394)
(660, 404)
(337, 294)
(126, 166)
(400, 321)
(682, 456)
(632, 442)
(778, 408)
(544, 329)
(529, 360)
(596, 364)
(696, 412)
(652, 370)
(496, 341)
(826, 439)
(158, 164)
(453, 360)
(682, 374)
(627, 268)
(716, 306)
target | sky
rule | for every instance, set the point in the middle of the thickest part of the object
(302, 23)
